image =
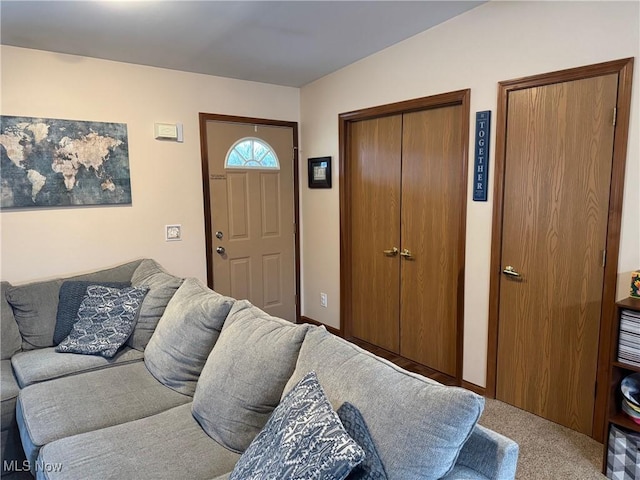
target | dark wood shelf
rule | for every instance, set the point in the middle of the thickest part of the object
(626, 366)
(617, 371)
(630, 303)
(622, 420)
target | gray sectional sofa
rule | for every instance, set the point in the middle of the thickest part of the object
(197, 381)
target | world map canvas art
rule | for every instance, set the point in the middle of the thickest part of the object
(49, 162)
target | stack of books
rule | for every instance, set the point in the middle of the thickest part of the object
(629, 343)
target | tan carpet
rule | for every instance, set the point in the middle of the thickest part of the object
(547, 450)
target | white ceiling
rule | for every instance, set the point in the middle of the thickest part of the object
(280, 42)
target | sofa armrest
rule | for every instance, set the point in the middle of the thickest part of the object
(489, 453)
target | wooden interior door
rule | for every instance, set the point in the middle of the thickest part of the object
(433, 216)
(558, 158)
(252, 219)
(375, 153)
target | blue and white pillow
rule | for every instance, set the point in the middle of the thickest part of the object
(72, 292)
(371, 467)
(106, 319)
(302, 440)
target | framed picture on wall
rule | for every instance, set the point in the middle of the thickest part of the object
(319, 172)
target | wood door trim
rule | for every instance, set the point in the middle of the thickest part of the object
(459, 97)
(203, 119)
(624, 69)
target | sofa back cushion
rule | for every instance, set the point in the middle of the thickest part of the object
(162, 287)
(245, 374)
(417, 424)
(35, 305)
(11, 342)
(185, 335)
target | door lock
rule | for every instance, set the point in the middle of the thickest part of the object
(219, 235)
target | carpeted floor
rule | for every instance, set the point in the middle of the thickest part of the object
(547, 450)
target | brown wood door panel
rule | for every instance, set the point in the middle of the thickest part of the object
(558, 158)
(375, 153)
(433, 196)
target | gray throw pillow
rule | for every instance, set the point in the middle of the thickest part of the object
(105, 320)
(9, 335)
(162, 287)
(303, 439)
(185, 335)
(72, 292)
(244, 376)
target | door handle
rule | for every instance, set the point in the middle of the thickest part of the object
(509, 270)
(391, 253)
(406, 254)
(220, 250)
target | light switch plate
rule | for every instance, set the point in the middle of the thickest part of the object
(173, 233)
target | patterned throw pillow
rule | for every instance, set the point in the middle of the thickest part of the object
(371, 467)
(106, 318)
(303, 440)
(72, 292)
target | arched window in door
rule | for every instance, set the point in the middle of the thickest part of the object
(252, 153)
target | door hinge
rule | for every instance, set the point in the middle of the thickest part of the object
(604, 257)
(615, 114)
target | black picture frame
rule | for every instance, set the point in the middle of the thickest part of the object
(319, 169)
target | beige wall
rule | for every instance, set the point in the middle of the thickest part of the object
(166, 178)
(494, 42)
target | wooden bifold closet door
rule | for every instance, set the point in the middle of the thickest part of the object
(407, 184)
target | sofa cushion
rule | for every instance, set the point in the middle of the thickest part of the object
(371, 467)
(303, 438)
(10, 340)
(35, 305)
(43, 364)
(244, 376)
(185, 335)
(162, 287)
(80, 403)
(69, 300)
(9, 390)
(165, 446)
(106, 319)
(419, 425)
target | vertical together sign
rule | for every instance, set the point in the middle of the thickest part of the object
(481, 163)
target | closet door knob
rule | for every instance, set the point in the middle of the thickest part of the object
(406, 254)
(391, 253)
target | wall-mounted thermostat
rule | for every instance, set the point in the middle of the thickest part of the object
(168, 131)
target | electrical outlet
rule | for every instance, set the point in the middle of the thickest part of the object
(323, 300)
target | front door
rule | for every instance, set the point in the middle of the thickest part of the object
(558, 163)
(252, 221)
